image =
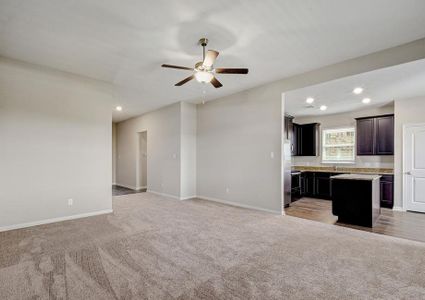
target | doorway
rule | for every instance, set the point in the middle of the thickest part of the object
(142, 161)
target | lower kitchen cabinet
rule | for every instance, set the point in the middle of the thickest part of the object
(307, 184)
(318, 185)
(323, 185)
(295, 186)
(387, 191)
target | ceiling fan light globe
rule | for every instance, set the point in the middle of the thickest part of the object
(202, 76)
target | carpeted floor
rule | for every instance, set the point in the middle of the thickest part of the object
(152, 247)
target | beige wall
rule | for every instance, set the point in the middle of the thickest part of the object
(408, 111)
(171, 148)
(236, 136)
(163, 148)
(55, 144)
(346, 120)
(142, 161)
(114, 152)
(237, 133)
(188, 150)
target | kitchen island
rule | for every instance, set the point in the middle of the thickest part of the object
(356, 198)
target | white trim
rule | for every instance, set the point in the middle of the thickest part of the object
(239, 205)
(188, 197)
(163, 194)
(398, 208)
(55, 220)
(216, 200)
(127, 186)
(403, 170)
(141, 187)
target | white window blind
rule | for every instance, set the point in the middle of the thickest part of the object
(338, 145)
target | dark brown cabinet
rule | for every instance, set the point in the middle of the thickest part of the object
(308, 187)
(295, 186)
(384, 130)
(323, 185)
(316, 184)
(387, 191)
(319, 185)
(305, 138)
(365, 137)
(375, 135)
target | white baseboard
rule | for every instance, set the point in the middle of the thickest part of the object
(163, 194)
(398, 208)
(188, 197)
(54, 220)
(141, 187)
(239, 204)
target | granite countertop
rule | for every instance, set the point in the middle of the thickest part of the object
(354, 170)
(356, 177)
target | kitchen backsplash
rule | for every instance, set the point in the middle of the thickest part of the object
(361, 162)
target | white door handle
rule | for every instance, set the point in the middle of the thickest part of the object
(408, 173)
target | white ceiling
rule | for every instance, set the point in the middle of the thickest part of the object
(125, 42)
(382, 86)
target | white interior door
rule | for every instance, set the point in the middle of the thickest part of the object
(414, 167)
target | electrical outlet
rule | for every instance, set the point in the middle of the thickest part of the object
(271, 155)
(227, 190)
(70, 202)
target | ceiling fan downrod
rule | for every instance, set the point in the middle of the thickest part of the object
(203, 42)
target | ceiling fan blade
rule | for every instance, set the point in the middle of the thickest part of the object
(176, 67)
(210, 58)
(231, 71)
(185, 80)
(217, 84)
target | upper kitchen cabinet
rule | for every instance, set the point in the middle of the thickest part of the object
(375, 135)
(365, 136)
(306, 139)
(384, 127)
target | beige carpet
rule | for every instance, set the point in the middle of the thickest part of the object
(158, 248)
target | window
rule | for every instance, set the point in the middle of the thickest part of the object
(338, 145)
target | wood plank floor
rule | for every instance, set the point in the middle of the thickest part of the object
(121, 191)
(407, 225)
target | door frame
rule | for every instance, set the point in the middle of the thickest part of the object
(403, 170)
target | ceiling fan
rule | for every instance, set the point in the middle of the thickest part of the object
(204, 70)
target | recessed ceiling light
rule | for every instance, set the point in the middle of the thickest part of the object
(358, 90)
(309, 100)
(119, 108)
(366, 100)
(323, 107)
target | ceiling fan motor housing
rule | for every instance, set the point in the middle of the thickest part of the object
(203, 42)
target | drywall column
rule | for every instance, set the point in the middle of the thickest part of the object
(114, 152)
(188, 151)
(239, 149)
